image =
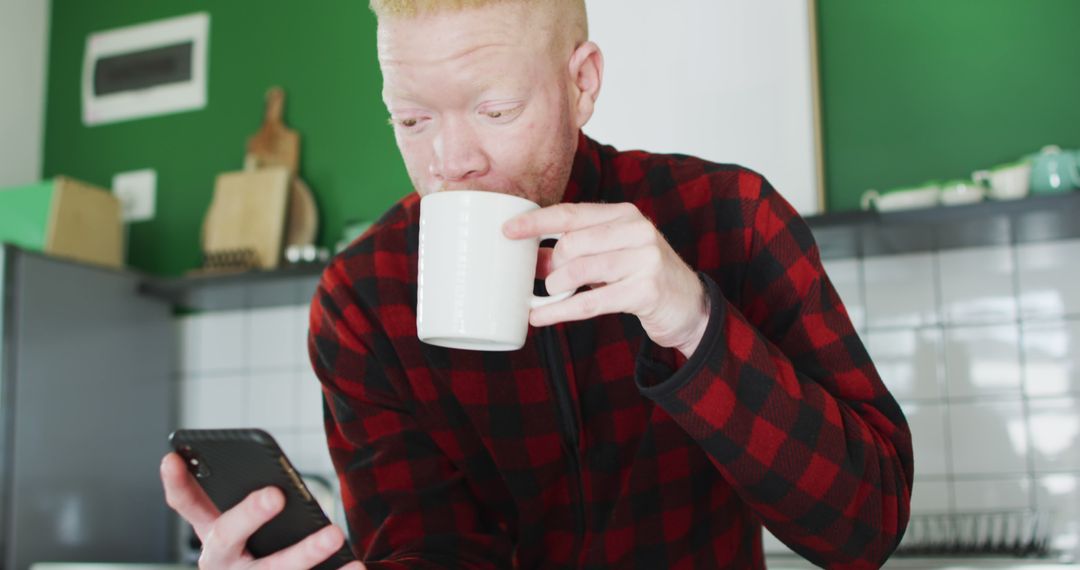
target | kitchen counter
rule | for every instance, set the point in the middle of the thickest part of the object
(793, 563)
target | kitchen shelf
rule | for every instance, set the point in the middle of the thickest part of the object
(290, 285)
(839, 235)
(991, 223)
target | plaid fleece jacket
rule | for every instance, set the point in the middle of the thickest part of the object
(592, 447)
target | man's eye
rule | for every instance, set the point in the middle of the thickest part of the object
(407, 123)
(501, 114)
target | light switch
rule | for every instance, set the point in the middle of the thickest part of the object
(136, 190)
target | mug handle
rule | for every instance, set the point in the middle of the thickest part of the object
(536, 302)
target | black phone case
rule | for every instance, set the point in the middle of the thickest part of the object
(232, 463)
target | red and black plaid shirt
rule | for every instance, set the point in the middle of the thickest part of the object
(592, 447)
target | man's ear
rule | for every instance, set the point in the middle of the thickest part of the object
(586, 75)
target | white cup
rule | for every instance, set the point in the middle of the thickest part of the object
(474, 288)
(1008, 182)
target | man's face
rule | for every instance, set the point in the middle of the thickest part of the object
(479, 100)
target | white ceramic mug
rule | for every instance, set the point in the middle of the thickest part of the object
(474, 288)
(1007, 182)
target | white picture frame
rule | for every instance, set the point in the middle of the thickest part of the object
(189, 95)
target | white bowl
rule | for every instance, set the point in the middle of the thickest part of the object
(915, 198)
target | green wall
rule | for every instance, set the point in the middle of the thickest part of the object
(322, 53)
(912, 90)
(916, 90)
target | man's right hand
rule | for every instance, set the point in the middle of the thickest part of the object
(224, 535)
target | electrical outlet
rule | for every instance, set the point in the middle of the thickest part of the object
(136, 190)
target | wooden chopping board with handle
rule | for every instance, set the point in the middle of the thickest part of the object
(244, 226)
(275, 144)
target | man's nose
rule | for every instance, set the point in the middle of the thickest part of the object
(458, 154)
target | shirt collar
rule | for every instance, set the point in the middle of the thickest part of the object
(586, 173)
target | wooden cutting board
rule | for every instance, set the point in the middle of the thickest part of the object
(277, 145)
(303, 217)
(245, 225)
(274, 144)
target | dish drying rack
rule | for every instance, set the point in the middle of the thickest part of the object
(1019, 534)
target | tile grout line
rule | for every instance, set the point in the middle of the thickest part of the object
(1033, 493)
(943, 370)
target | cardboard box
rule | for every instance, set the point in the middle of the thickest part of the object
(65, 218)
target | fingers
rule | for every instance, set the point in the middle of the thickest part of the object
(609, 267)
(562, 218)
(308, 552)
(610, 236)
(619, 297)
(184, 495)
(225, 542)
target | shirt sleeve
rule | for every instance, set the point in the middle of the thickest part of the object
(407, 504)
(784, 399)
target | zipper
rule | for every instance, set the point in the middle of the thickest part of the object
(564, 409)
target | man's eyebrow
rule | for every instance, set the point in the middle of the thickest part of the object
(402, 95)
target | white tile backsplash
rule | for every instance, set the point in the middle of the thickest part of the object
(222, 341)
(272, 338)
(772, 545)
(1049, 278)
(978, 285)
(250, 369)
(846, 277)
(214, 402)
(308, 395)
(988, 438)
(271, 401)
(190, 408)
(983, 360)
(931, 496)
(312, 454)
(1052, 358)
(300, 350)
(901, 290)
(189, 336)
(1055, 434)
(1059, 497)
(928, 432)
(910, 361)
(993, 494)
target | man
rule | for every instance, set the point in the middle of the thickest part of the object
(708, 381)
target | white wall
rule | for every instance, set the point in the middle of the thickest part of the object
(24, 27)
(726, 80)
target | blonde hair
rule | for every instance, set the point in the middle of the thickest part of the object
(570, 14)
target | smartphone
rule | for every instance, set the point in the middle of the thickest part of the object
(230, 464)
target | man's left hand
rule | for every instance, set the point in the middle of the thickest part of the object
(630, 266)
